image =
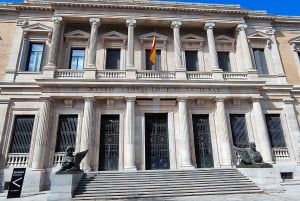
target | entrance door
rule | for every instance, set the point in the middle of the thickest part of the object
(109, 142)
(156, 141)
(202, 140)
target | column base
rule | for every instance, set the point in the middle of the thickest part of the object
(187, 167)
(252, 74)
(90, 73)
(180, 74)
(48, 72)
(130, 73)
(130, 169)
(217, 74)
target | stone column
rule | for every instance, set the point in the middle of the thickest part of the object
(180, 70)
(130, 68)
(86, 133)
(247, 61)
(186, 158)
(261, 132)
(212, 46)
(293, 126)
(40, 146)
(223, 133)
(95, 22)
(48, 70)
(129, 146)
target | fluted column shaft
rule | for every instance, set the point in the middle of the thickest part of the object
(41, 138)
(55, 42)
(245, 47)
(262, 136)
(130, 23)
(86, 133)
(93, 42)
(293, 127)
(177, 46)
(186, 159)
(223, 133)
(211, 45)
(129, 147)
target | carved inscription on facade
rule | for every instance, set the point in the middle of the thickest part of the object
(154, 90)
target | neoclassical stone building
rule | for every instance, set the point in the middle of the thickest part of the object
(77, 73)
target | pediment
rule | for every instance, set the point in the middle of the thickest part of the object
(258, 35)
(295, 40)
(79, 34)
(149, 37)
(192, 38)
(38, 27)
(113, 35)
(224, 39)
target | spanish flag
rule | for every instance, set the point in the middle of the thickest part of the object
(152, 56)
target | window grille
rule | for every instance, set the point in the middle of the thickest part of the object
(22, 132)
(275, 130)
(66, 132)
(239, 130)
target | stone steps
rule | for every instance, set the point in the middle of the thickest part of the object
(155, 184)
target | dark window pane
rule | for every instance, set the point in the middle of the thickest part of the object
(224, 61)
(275, 130)
(157, 65)
(299, 56)
(35, 56)
(191, 60)
(77, 59)
(260, 60)
(113, 59)
(239, 130)
(22, 132)
(66, 132)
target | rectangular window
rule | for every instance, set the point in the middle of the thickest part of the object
(298, 56)
(113, 57)
(191, 60)
(239, 130)
(275, 130)
(224, 61)
(77, 59)
(66, 132)
(157, 65)
(22, 132)
(34, 57)
(260, 60)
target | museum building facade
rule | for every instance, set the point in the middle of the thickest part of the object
(78, 73)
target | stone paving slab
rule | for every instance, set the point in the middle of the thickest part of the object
(291, 193)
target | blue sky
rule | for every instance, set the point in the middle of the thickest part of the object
(280, 7)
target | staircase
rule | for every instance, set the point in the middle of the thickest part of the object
(155, 184)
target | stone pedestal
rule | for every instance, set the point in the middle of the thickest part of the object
(267, 179)
(63, 186)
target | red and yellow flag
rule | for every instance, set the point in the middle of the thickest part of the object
(152, 56)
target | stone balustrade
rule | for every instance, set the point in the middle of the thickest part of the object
(235, 76)
(156, 75)
(17, 159)
(58, 157)
(111, 74)
(66, 73)
(281, 153)
(199, 75)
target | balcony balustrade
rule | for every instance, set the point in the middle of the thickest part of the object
(111, 74)
(66, 73)
(281, 153)
(156, 75)
(58, 158)
(235, 76)
(17, 160)
(199, 75)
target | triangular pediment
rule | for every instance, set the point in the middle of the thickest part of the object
(38, 27)
(295, 40)
(224, 39)
(149, 36)
(77, 34)
(113, 35)
(192, 37)
(258, 35)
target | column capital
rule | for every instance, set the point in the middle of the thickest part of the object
(94, 21)
(130, 22)
(181, 99)
(89, 98)
(57, 19)
(209, 25)
(270, 32)
(241, 27)
(176, 24)
(220, 99)
(130, 99)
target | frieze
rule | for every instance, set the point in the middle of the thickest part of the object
(154, 90)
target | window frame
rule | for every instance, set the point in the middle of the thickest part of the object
(29, 54)
(118, 67)
(229, 68)
(263, 70)
(71, 57)
(195, 68)
(147, 61)
(281, 127)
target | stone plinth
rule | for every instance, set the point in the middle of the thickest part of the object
(268, 179)
(63, 186)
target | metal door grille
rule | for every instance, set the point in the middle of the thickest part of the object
(109, 143)
(66, 132)
(275, 130)
(239, 130)
(22, 133)
(202, 140)
(157, 143)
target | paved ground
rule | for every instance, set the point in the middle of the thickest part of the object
(291, 193)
